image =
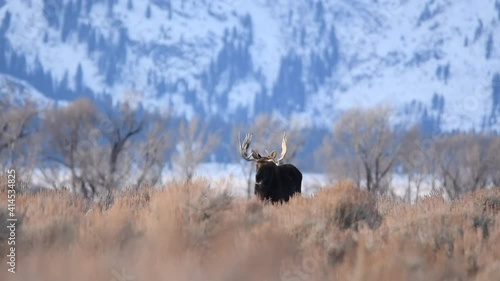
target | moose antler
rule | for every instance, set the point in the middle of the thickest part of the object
(283, 148)
(244, 148)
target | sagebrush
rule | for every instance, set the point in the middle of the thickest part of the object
(193, 232)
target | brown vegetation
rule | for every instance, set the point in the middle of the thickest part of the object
(366, 149)
(363, 148)
(196, 233)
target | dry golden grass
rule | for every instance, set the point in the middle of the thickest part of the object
(195, 233)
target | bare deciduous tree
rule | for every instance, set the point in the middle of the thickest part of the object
(117, 130)
(416, 160)
(465, 162)
(364, 138)
(194, 143)
(126, 149)
(336, 167)
(18, 136)
(494, 169)
(66, 129)
(104, 152)
(151, 157)
(15, 122)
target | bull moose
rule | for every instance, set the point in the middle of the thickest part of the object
(273, 181)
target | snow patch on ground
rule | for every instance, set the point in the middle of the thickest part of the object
(231, 178)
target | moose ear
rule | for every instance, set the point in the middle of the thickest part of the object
(273, 154)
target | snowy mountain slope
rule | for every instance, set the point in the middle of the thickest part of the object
(18, 92)
(441, 51)
(233, 59)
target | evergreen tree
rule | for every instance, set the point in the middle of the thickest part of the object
(497, 6)
(111, 72)
(5, 23)
(169, 7)
(62, 89)
(446, 73)
(91, 42)
(289, 89)
(3, 63)
(110, 8)
(36, 75)
(318, 13)
(48, 85)
(67, 21)
(479, 30)
(122, 45)
(51, 12)
(495, 85)
(489, 46)
(78, 8)
(83, 32)
(495, 99)
(79, 79)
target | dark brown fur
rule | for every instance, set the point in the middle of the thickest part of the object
(277, 183)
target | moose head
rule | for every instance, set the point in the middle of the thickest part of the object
(273, 181)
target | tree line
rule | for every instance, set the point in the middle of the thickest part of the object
(365, 148)
(91, 150)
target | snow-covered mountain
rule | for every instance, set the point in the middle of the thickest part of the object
(435, 61)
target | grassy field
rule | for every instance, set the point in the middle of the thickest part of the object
(194, 233)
